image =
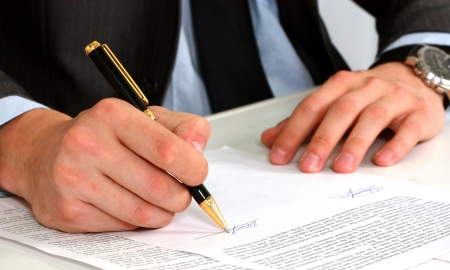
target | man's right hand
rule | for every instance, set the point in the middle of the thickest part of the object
(104, 170)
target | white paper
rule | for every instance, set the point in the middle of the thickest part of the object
(103, 250)
(296, 220)
(280, 218)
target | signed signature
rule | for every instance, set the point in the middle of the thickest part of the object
(247, 225)
(359, 193)
(251, 224)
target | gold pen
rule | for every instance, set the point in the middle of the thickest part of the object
(127, 90)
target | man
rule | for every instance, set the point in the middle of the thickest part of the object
(104, 169)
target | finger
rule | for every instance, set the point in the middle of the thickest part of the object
(341, 115)
(373, 119)
(308, 114)
(166, 151)
(76, 216)
(193, 129)
(113, 199)
(269, 135)
(143, 178)
(150, 140)
(413, 130)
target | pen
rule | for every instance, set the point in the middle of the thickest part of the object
(127, 90)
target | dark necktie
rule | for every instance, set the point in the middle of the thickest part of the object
(228, 55)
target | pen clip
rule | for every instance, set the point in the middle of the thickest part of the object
(125, 74)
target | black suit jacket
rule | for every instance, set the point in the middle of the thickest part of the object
(42, 45)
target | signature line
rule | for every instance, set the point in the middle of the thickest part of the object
(209, 235)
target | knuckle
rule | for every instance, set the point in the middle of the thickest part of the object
(105, 107)
(357, 143)
(399, 91)
(289, 141)
(374, 82)
(344, 106)
(69, 212)
(159, 186)
(310, 106)
(143, 214)
(200, 123)
(322, 140)
(80, 139)
(377, 113)
(343, 76)
(166, 151)
(193, 126)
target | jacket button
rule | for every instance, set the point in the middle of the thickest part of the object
(150, 87)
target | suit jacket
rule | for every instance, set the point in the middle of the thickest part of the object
(42, 45)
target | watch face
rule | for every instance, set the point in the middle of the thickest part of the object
(435, 64)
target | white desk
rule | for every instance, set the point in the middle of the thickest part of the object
(240, 129)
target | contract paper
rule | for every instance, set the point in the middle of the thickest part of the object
(279, 218)
(102, 250)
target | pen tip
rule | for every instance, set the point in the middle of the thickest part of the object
(226, 229)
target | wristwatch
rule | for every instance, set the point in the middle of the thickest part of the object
(432, 65)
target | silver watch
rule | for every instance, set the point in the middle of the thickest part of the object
(432, 65)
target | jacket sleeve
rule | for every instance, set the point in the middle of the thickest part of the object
(8, 87)
(396, 18)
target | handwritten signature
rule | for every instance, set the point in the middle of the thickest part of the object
(247, 225)
(359, 193)
(233, 230)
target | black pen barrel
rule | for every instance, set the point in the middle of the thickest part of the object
(115, 78)
(199, 193)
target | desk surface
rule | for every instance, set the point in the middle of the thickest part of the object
(240, 129)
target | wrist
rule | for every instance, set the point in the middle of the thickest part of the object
(23, 143)
(431, 76)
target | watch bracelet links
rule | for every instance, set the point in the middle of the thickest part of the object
(401, 53)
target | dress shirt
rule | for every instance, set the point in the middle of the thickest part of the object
(284, 70)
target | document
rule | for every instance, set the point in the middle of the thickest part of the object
(279, 218)
(102, 250)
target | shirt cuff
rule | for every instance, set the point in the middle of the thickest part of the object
(435, 38)
(13, 106)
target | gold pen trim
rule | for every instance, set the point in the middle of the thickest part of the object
(209, 205)
(94, 45)
(125, 74)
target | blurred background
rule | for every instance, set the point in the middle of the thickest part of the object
(352, 31)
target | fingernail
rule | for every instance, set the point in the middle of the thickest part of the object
(197, 146)
(310, 161)
(345, 161)
(278, 156)
(385, 157)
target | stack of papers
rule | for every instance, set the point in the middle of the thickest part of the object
(280, 218)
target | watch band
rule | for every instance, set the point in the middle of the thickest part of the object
(399, 55)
